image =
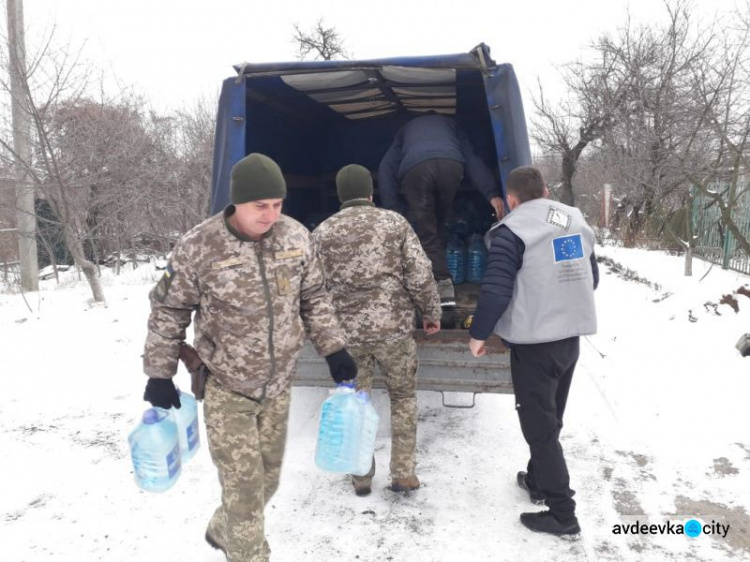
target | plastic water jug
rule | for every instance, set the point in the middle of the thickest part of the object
(186, 418)
(456, 258)
(476, 260)
(370, 420)
(337, 449)
(155, 450)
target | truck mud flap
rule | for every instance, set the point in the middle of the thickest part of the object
(445, 365)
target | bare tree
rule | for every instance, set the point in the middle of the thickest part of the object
(632, 107)
(178, 198)
(92, 158)
(112, 177)
(320, 43)
(652, 131)
(195, 146)
(54, 76)
(722, 88)
(594, 97)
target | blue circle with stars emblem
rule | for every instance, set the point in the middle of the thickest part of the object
(568, 248)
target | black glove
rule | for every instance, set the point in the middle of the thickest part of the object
(162, 394)
(342, 366)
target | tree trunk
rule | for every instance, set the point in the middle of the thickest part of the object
(691, 239)
(633, 227)
(92, 276)
(649, 202)
(689, 261)
(89, 268)
(568, 170)
(50, 253)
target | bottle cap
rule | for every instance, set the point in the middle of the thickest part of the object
(153, 415)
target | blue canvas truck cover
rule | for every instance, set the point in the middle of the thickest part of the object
(312, 117)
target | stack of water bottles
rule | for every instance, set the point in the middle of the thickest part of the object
(347, 432)
(476, 259)
(466, 265)
(162, 441)
(455, 255)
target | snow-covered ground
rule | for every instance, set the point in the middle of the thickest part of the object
(657, 431)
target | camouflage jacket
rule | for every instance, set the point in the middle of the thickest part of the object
(376, 271)
(252, 300)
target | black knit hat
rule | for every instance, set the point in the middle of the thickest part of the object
(256, 177)
(353, 182)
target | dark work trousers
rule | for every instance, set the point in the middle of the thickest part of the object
(541, 375)
(429, 189)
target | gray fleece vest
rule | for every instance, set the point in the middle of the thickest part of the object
(553, 297)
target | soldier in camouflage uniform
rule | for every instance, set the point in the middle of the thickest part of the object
(250, 276)
(378, 276)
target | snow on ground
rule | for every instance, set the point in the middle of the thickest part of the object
(656, 431)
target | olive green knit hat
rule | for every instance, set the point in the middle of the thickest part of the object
(353, 182)
(256, 177)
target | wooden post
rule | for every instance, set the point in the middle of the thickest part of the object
(25, 213)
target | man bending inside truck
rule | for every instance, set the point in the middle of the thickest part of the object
(428, 158)
(378, 276)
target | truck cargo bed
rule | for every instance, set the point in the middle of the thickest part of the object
(445, 364)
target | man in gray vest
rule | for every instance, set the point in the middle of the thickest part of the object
(538, 296)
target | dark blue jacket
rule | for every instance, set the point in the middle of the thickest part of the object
(503, 262)
(424, 138)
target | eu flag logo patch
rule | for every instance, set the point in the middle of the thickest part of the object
(568, 248)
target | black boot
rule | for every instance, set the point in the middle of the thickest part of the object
(362, 489)
(545, 522)
(215, 543)
(407, 484)
(536, 497)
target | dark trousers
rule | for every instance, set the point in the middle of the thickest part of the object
(429, 189)
(541, 375)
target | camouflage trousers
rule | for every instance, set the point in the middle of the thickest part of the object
(398, 363)
(246, 440)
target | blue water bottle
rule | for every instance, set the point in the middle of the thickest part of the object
(337, 449)
(155, 451)
(456, 258)
(370, 420)
(186, 418)
(476, 260)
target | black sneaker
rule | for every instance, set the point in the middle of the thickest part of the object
(536, 497)
(545, 522)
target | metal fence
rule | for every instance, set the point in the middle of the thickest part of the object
(715, 243)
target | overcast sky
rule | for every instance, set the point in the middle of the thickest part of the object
(174, 51)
